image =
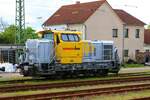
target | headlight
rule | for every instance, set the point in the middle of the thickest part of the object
(26, 68)
(31, 57)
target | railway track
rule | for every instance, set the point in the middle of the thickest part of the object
(145, 98)
(43, 79)
(81, 93)
(14, 88)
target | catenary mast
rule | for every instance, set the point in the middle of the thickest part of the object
(20, 20)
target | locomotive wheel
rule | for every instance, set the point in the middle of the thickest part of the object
(87, 73)
(98, 73)
(105, 72)
(25, 73)
(75, 74)
(60, 75)
(91, 73)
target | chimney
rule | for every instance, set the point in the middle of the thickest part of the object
(77, 2)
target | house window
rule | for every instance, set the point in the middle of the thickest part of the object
(136, 51)
(115, 33)
(126, 34)
(126, 53)
(147, 50)
(137, 33)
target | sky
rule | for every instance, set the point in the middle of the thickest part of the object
(38, 11)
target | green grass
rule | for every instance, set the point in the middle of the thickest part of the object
(133, 65)
(13, 78)
(122, 96)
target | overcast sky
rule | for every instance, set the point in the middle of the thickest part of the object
(37, 11)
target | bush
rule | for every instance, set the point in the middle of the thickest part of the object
(130, 61)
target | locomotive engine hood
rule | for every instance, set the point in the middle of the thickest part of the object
(39, 51)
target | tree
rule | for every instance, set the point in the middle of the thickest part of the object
(29, 33)
(9, 35)
(2, 39)
(148, 26)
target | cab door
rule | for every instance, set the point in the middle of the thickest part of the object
(71, 48)
(57, 47)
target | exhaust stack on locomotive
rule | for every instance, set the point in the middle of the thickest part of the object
(64, 53)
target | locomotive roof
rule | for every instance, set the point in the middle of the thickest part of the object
(59, 31)
(38, 40)
(99, 41)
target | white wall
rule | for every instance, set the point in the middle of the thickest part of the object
(132, 43)
(101, 23)
(57, 27)
(78, 27)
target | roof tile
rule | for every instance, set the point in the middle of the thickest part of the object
(75, 13)
(80, 12)
(128, 19)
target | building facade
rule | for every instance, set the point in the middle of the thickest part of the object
(99, 21)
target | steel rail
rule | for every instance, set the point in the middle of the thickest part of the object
(145, 98)
(14, 88)
(81, 93)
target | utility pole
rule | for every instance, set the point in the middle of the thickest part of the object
(20, 20)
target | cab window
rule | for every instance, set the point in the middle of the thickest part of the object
(64, 37)
(48, 36)
(76, 37)
(70, 37)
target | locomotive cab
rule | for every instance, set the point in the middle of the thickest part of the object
(67, 46)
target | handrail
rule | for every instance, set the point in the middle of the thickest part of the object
(51, 60)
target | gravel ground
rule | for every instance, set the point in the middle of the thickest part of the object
(123, 70)
(9, 75)
(134, 70)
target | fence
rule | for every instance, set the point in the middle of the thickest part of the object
(8, 53)
(8, 56)
(142, 57)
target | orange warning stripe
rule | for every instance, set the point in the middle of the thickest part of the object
(71, 48)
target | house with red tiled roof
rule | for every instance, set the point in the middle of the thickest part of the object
(147, 40)
(97, 20)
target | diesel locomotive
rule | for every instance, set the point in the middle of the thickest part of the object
(60, 53)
